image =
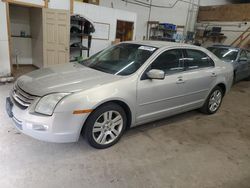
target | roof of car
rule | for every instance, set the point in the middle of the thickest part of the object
(160, 44)
(226, 46)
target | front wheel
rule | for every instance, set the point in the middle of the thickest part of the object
(213, 101)
(105, 125)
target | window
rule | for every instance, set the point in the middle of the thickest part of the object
(122, 59)
(225, 54)
(243, 54)
(169, 61)
(248, 54)
(197, 59)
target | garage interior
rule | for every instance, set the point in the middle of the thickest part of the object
(186, 150)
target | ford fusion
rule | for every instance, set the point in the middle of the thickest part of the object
(123, 86)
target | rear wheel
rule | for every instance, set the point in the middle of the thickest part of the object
(213, 101)
(248, 78)
(105, 125)
(234, 78)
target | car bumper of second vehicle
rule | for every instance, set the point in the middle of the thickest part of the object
(61, 127)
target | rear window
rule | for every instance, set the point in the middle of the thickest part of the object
(197, 59)
(225, 54)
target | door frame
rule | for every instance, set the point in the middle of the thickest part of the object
(14, 2)
(133, 31)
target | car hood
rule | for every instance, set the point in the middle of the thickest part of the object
(70, 77)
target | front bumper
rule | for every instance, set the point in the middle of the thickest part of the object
(61, 127)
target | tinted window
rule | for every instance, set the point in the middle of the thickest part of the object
(122, 59)
(243, 54)
(248, 55)
(169, 61)
(224, 53)
(197, 59)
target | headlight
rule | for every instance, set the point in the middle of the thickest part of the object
(47, 104)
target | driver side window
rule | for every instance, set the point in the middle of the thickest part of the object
(170, 62)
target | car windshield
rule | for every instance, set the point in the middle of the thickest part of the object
(225, 54)
(122, 59)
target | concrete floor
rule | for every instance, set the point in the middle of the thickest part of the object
(188, 150)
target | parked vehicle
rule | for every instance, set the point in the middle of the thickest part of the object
(125, 85)
(239, 58)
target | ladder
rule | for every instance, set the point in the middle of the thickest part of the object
(243, 40)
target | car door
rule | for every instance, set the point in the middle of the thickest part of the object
(199, 76)
(160, 98)
(243, 66)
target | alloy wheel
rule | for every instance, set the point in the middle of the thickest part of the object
(215, 100)
(107, 127)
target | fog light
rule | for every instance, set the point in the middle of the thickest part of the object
(36, 127)
(40, 127)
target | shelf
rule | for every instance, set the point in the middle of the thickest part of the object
(162, 38)
(79, 35)
(19, 36)
(79, 48)
(78, 19)
(163, 29)
(79, 22)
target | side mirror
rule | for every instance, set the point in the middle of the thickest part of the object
(156, 74)
(243, 59)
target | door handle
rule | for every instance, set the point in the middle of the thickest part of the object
(213, 74)
(180, 80)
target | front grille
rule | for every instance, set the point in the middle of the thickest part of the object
(22, 98)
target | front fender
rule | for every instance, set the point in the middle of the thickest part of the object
(124, 91)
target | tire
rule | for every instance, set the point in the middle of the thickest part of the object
(234, 78)
(207, 107)
(248, 78)
(105, 125)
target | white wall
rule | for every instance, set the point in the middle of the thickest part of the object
(21, 47)
(176, 15)
(103, 15)
(59, 4)
(4, 44)
(19, 20)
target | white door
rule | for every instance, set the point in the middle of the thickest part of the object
(56, 35)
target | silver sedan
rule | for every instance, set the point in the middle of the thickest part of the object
(125, 85)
